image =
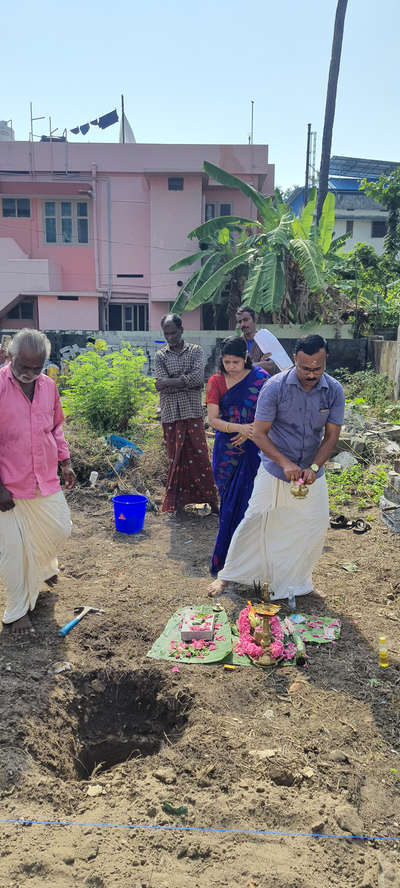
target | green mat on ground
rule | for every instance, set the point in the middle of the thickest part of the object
(162, 648)
(312, 628)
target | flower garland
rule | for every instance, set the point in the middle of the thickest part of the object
(246, 645)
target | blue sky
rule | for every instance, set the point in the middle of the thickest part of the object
(190, 70)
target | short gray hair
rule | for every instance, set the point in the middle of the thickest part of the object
(31, 339)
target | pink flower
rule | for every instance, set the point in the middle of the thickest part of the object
(201, 656)
(211, 647)
(220, 638)
(198, 645)
(188, 654)
(289, 651)
(175, 669)
(218, 625)
(276, 649)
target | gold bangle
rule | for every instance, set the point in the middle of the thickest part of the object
(226, 428)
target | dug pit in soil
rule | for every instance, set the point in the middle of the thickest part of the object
(109, 717)
(123, 716)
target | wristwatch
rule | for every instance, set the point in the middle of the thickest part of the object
(314, 467)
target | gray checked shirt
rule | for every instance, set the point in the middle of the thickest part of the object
(186, 403)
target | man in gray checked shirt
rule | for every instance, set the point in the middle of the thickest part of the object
(179, 371)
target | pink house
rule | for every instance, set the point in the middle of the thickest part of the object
(88, 231)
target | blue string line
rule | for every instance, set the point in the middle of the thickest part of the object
(200, 829)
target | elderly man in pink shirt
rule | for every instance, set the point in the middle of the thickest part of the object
(34, 515)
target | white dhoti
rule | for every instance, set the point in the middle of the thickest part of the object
(280, 537)
(30, 535)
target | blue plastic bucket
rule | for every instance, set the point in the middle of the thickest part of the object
(129, 512)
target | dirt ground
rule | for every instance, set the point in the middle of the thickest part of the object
(290, 750)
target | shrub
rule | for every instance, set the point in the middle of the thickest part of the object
(375, 388)
(366, 484)
(107, 390)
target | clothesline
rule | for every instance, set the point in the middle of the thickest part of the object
(102, 122)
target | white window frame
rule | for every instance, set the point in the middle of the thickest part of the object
(15, 199)
(58, 202)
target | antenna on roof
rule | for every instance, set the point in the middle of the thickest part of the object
(251, 136)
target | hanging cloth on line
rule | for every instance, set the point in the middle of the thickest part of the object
(108, 119)
(102, 122)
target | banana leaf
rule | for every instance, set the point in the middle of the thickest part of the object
(184, 293)
(310, 261)
(263, 204)
(265, 286)
(326, 222)
(207, 290)
(207, 229)
(189, 260)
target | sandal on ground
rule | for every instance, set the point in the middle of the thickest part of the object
(361, 526)
(340, 521)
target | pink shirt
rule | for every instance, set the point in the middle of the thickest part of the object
(31, 437)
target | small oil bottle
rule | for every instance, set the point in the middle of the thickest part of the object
(383, 654)
(291, 599)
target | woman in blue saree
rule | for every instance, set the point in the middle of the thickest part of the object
(231, 404)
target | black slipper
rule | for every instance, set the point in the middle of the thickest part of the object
(340, 521)
(361, 526)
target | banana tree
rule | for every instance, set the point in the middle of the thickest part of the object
(269, 263)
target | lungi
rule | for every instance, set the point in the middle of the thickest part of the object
(190, 478)
(30, 535)
(280, 538)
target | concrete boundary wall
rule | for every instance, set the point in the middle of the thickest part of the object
(344, 351)
(385, 357)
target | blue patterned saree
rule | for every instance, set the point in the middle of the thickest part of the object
(235, 467)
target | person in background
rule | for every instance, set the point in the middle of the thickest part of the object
(179, 372)
(231, 397)
(246, 319)
(34, 515)
(298, 418)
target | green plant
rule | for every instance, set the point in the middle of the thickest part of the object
(367, 387)
(106, 390)
(365, 484)
(273, 264)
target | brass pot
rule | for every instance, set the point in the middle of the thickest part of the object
(299, 490)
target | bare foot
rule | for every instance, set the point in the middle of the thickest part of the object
(216, 587)
(22, 628)
(51, 581)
